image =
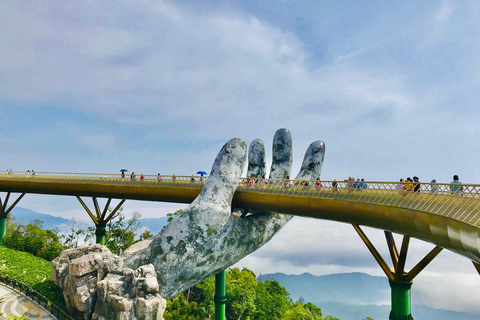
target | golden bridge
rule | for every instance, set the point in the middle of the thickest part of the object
(446, 215)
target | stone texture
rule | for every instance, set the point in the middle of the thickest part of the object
(137, 247)
(97, 285)
(256, 160)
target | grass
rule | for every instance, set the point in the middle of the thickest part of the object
(33, 271)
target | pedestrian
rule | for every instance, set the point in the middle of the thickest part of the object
(174, 178)
(192, 179)
(409, 185)
(363, 184)
(141, 177)
(33, 172)
(159, 178)
(132, 176)
(287, 182)
(455, 187)
(433, 186)
(318, 184)
(400, 185)
(416, 183)
(334, 185)
(356, 184)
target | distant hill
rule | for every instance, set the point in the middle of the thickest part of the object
(50, 222)
(154, 224)
(349, 288)
(354, 296)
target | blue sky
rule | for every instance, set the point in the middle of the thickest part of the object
(391, 88)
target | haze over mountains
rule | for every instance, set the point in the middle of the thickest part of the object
(348, 296)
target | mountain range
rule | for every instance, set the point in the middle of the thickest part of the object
(64, 225)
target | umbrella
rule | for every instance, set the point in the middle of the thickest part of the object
(123, 170)
(201, 172)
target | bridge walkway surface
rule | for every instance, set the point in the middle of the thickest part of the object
(17, 304)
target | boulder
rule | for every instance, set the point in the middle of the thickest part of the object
(97, 285)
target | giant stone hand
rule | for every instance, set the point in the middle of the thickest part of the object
(206, 237)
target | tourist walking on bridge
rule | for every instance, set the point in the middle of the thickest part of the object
(409, 184)
(400, 186)
(456, 189)
(416, 183)
(434, 186)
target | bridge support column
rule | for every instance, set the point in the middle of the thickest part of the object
(3, 228)
(220, 296)
(400, 281)
(401, 302)
(4, 211)
(100, 233)
(100, 218)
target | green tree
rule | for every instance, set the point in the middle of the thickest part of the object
(120, 232)
(172, 216)
(75, 237)
(273, 300)
(241, 293)
(33, 239)
(146, 235)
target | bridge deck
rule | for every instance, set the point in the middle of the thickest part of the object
(442, 214)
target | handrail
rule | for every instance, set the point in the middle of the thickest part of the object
(35, 296)
(457, 201)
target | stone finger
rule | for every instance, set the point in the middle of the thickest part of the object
(312, 162)
(282, 155)
(256, 160)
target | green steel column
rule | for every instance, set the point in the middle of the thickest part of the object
(3, 228)
(220, 296)
(401, 306)
(100, 232)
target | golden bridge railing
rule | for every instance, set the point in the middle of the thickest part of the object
(101, 178)
(460, 202)
(457, 201)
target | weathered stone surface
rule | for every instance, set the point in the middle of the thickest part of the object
(256, 160)
(136, 247)
(98, 285)
(206, 238)
(60, 265)
(128, 294)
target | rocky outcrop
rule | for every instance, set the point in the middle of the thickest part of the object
(97, 285)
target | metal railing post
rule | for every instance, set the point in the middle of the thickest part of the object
(220, 296)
